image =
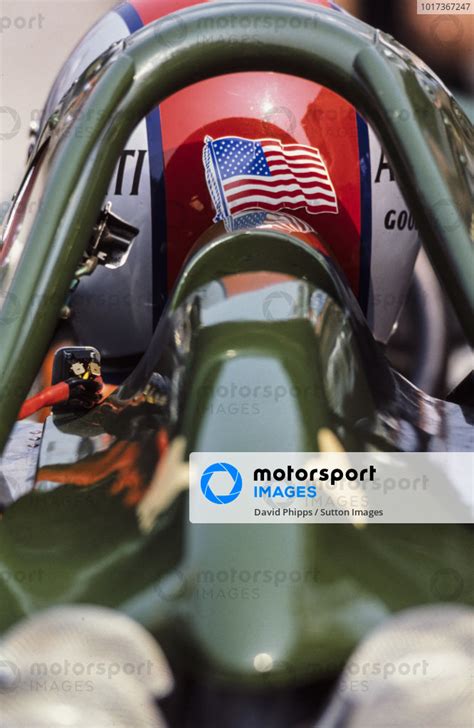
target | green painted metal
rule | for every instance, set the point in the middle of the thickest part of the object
(216, 597)
(384, 81)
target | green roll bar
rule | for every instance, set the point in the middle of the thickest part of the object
(388, 85)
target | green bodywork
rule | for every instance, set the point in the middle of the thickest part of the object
(218, 596)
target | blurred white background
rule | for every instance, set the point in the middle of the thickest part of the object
(36, 37)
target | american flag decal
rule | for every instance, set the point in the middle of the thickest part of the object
(244, 174)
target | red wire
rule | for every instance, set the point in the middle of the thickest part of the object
(49, 396)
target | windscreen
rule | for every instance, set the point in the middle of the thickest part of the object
(18, 221)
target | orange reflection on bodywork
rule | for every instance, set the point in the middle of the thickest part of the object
(121, 461)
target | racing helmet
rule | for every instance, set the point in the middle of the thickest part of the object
(248, 144)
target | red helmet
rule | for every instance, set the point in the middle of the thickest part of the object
(243, 144)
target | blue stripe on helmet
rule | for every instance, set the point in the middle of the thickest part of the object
(159, 265)
(366, 213)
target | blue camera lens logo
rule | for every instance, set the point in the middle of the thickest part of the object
(234, 475)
